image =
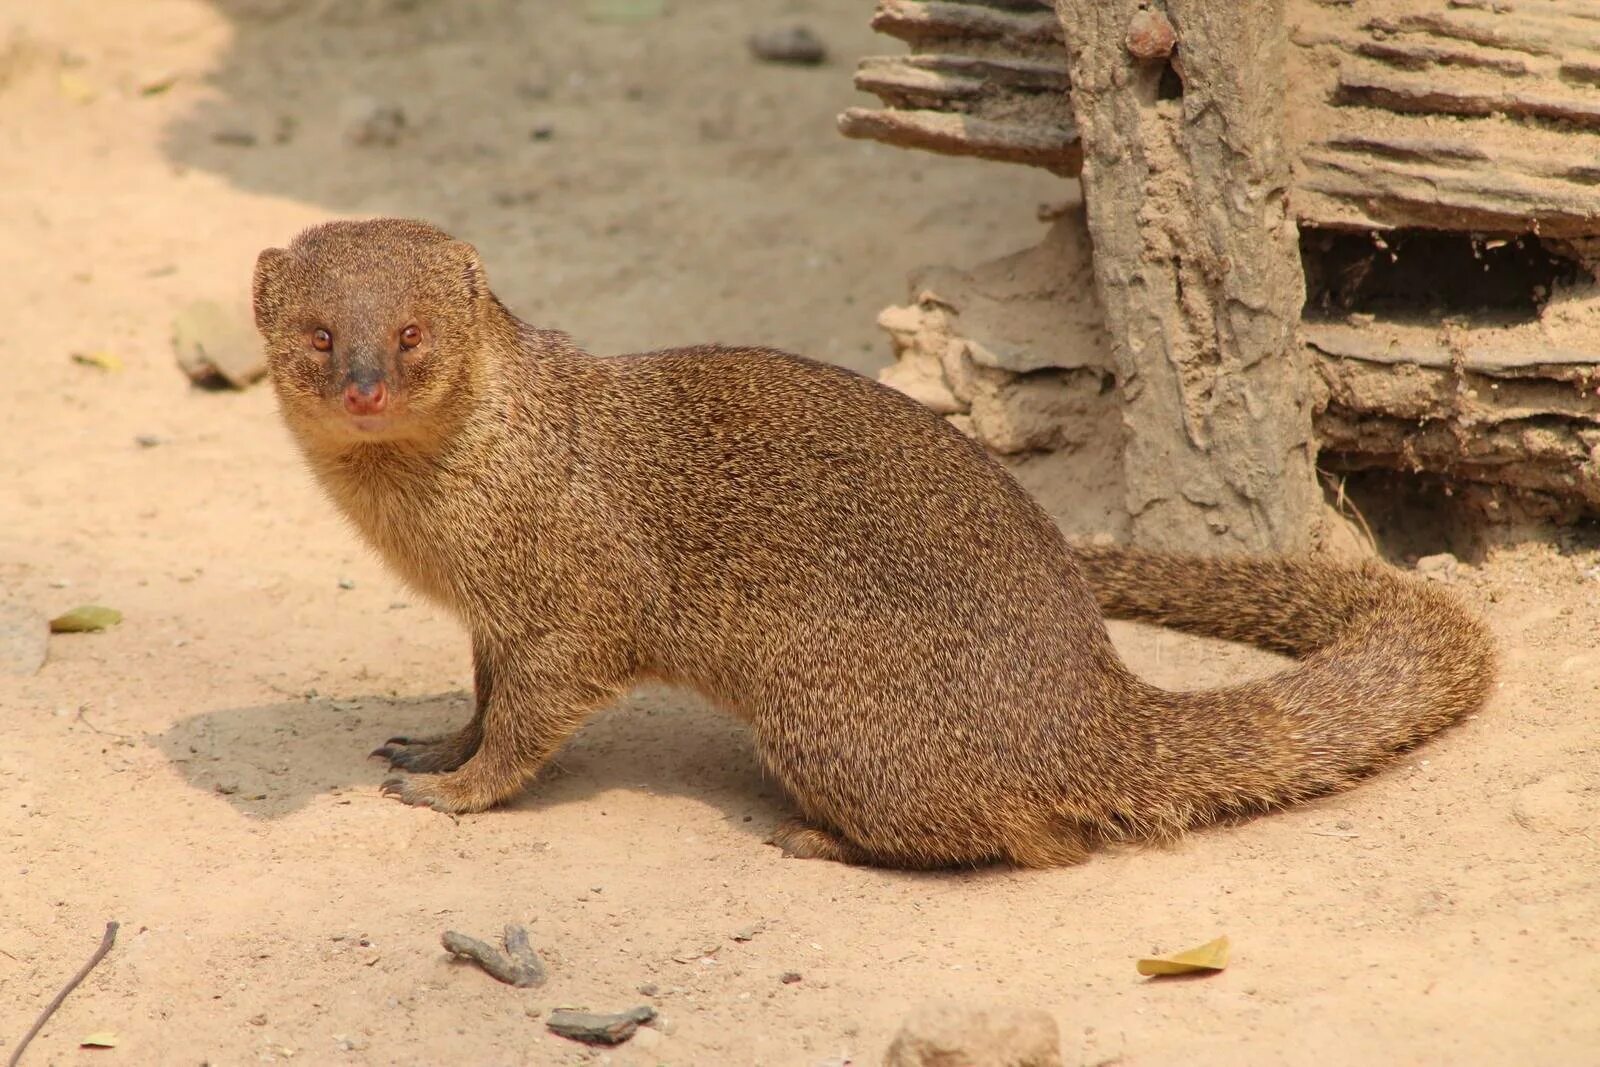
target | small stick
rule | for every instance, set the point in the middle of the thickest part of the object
(106, 942)
(518, 965)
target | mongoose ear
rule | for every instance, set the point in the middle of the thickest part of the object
(473, 278)
(264, 290)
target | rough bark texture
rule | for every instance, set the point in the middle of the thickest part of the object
(1197, 267)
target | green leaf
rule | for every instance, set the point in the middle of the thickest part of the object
(85, 618)
(1211, 956)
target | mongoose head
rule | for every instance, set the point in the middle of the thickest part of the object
(369, 326)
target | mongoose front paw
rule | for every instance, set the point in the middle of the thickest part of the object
(426, 755)
(453, 793)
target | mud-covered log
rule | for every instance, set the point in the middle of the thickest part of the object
(984, 79)
(1492, 415)
(917, 21)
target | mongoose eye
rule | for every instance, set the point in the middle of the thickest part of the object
(322, 341)
(410, 337)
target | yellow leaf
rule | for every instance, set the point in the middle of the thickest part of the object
(75, 88)
(108, 361)
(1211, 956)
(99, 1039)
(84, 619)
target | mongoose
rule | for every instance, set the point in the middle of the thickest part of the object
(921, 657)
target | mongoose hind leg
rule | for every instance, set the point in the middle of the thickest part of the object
(803, 841)
(445, 752)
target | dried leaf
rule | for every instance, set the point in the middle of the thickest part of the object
(84, 619)
(106, 361)
(99, 1039)
(1211, 956)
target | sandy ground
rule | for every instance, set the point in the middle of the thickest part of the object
(199, 772)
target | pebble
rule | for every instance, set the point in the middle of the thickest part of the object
(796, 45)
(368, 121)
(1150, 35)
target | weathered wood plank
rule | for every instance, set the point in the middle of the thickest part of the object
(1053, 147)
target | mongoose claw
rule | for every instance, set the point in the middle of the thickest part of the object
(448, 793)
(431, 755)
(408, 791)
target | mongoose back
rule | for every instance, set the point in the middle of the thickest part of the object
(921, 657)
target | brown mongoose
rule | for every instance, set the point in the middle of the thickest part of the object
(918, 652)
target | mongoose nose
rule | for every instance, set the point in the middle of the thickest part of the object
(366, 399)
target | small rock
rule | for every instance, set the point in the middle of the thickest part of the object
(217, 346)
(347, 583)
(226, 789)
(976, 1037)
(789, 977)
(649, 989)
(1440, 567)
(795, 44)
(24, 640)
(237, 136)
(147, 440)
(258, 1020)
(595, 1029)
(542, 132)
(366, 121)
(746, 933)
(1150, 35)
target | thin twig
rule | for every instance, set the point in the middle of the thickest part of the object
(1344, 505)
(106, 942)
(83, 718)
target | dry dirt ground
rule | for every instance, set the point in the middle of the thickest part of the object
(199, 772)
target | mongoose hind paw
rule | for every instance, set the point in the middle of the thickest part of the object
(802, 841)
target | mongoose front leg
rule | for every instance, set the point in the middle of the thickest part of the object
(538, 700)
(446, 752)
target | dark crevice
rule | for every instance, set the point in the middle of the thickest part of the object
(1170, 87)
(1429, 272)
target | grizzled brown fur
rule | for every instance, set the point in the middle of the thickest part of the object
(917, 651)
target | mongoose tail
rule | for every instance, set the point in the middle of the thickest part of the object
(1385, 661)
